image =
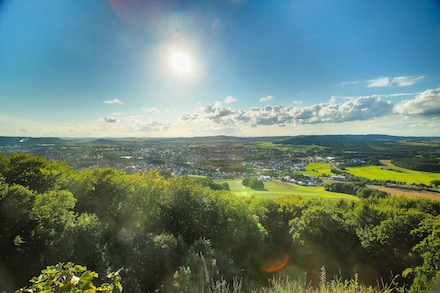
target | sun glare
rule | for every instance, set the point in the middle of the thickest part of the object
(181, 63)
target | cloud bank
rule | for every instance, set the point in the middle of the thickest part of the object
(423, 111)
(362, 108)
(425, 104)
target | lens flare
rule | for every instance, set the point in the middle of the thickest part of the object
(276, 264)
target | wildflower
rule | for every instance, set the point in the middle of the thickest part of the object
(74, 280)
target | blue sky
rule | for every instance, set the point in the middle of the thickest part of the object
(78, 68)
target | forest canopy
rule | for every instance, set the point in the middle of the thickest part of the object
(165, 233)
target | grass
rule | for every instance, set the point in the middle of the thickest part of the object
(334, 286)
(317, 169)
(392, 172)
(197, 176)
(275, 189)
(203, 282)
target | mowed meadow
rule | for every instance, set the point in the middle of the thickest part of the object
(275, 188)
(317, 169)
(391, 172)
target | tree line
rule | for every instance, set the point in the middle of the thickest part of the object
(166, 232)
(358, 189)
(419, 164)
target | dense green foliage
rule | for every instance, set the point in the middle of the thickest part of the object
(165, 233)
(419, 164)
(253, 183)
(357, 188)
(208, 182)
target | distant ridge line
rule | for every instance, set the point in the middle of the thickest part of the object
(304, 139)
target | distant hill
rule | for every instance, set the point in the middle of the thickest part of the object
(337, 140)
(225, 138)
(16, 141)
(375, 145)
(103, 141)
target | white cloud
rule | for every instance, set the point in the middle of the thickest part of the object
(230, 99)
(266, 99)
(399, 81)
(113, 101)
(109, 119)
(151, 110)
(355, 109)
(379, 82)
(424, 104)
(406, 80)
(155, 125)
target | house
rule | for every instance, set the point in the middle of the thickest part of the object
(338, 178)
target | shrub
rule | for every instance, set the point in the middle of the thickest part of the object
(73, 279)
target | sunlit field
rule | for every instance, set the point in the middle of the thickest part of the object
(391, 172)
(279, 188)
(317, 169)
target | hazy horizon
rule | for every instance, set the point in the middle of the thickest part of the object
(150, 69)
(210, 136)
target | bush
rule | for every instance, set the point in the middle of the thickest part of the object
(253, 183)
(256, 184)
(71, 278)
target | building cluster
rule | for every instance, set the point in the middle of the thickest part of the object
(218, 160)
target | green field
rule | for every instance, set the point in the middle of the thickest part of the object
(278, 188)
(317, 169)
(391, 172)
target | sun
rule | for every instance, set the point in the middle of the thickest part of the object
(181, 62)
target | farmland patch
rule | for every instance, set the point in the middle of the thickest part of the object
(408, 193)
(391, 172)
